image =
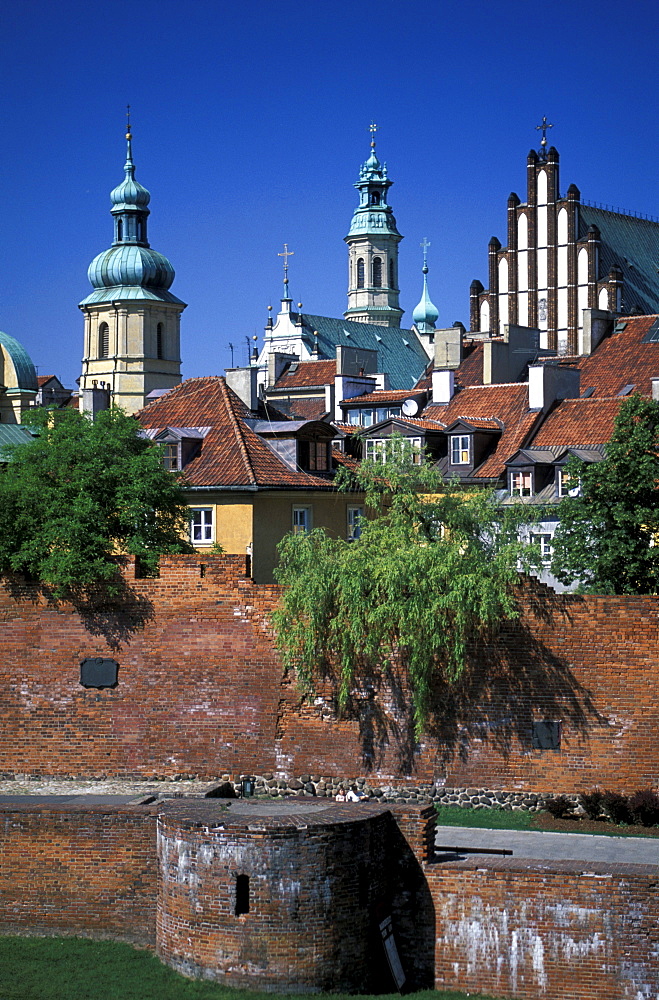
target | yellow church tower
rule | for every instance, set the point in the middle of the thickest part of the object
(132, 321)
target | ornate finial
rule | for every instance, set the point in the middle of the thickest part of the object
(424, 246)
(372, 129)
(128, 131)
(286, 254)
(543, 128)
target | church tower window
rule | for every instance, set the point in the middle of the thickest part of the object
(377, 272)
(104, 341)
(360, 273)
(120, 230)
(159, 342)
(392, 283)
(375, 197)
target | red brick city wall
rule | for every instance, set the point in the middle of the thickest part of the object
(90, 872)
(551, 930)
(201, 691)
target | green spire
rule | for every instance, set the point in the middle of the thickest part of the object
(425, 314)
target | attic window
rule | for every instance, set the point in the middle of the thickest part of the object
(627, 389)
(521, 483)
(652, 336)
(619, 327)
(587, 393)
(292, 368)
(460, 449)
(170, 457)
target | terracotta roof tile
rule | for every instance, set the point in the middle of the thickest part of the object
(380, 397)
(490, 403)
(579, 423)
(622, 359)
(231, 454)
(307, 373)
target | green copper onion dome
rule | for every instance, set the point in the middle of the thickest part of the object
(130, 269)
(425, 314)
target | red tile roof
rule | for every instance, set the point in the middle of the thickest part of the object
(307, 373)
(579, 423)
(621, 359)
(380, 397)
(231, 454)
(487, 404)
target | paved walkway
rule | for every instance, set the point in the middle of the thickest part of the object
(550, 846)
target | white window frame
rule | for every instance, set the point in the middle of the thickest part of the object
(205, 516)
(301, 518)
(354, 517)
(544, 539)
(521, 483)
(379, 449)
(460, 449)
(564, 480)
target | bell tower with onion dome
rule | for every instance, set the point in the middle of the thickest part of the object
(132, 321)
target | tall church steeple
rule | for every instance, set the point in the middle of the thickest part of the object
(373, 249)
(132, 320)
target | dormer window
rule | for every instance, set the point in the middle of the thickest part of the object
(460, 449)
(521, 483)
(568, 486)
(313, 456)
(171, 458)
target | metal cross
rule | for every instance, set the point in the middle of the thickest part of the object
(128, 120)
(373, 129)
(286, 254)
(543, 128)
(424, 246)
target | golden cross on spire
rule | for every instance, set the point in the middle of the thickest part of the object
(372, 129)
(128, 132)
(286, 254)
(543, 128)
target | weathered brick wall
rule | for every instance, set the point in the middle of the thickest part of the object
(90, 872)
(569, 930)
(201, 691)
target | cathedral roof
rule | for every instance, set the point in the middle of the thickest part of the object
(631, 244)
(400, 353)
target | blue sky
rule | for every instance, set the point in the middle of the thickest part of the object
(250, 121)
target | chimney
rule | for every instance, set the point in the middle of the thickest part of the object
(443, 387)
(243, 381)
(596, 323)
(548, 383)
(448, 347)
(95, 399)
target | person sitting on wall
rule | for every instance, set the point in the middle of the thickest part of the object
(341, 794)
(355, 794)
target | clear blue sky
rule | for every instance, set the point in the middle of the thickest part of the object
(250, 121)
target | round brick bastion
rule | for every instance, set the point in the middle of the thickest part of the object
(274, 895)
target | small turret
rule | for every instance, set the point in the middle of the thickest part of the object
(425, 315)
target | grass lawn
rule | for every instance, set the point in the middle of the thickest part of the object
(502, 819)
(76, 969)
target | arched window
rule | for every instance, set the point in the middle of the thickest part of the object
(375, 198)
(392, 283)
(159, 342)
(377, 272)
(360, 273)
(104, 341)
(120, 230)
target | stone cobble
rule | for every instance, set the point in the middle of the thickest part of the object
(270, 786)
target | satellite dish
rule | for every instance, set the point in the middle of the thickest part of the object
(411, 407)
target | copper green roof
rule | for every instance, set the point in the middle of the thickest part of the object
(26, 376)
(400, 353)
(632, 245)
(12, 434)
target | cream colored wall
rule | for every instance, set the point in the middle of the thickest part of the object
(232, 520)
(273, 518)
(132, 369)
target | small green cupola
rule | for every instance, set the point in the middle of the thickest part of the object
(426, 314)
(129, 203)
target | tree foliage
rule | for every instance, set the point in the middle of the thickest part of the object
(432, 569)
(607, 536)
(82, 492)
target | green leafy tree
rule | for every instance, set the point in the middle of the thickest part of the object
(607, 536)
(81, 493)
(434, 567)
